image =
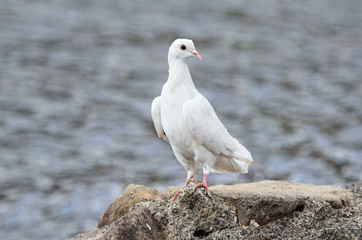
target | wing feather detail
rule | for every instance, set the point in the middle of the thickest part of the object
(209, 131)
(156, 117)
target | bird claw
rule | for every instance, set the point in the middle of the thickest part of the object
(204, 186)
(209, 193)
(192, 180)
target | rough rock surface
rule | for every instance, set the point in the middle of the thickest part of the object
(96, 234)
(293, 211)
(267, 201)
(120, 207)
(193, 214)
(138, 224)
(318, 220)
(169, 192)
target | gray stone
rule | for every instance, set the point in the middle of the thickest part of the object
(96, 234)
(267, 201)
(319, 220)
(269, 209)
(121, 205)
(193, 215)
(137, 224)
(169, 192)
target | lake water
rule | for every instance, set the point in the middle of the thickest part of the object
(77, 79)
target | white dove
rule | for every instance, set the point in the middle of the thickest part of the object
(185, 118)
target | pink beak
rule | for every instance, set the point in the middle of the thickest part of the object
(196, 54)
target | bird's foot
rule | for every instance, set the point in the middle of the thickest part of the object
(176, 195)
(191, 179)
(204, 185)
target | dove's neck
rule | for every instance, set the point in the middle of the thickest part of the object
(178, 73)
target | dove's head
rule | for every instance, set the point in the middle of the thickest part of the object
(182, 49)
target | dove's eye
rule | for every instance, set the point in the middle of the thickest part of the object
(183, 47)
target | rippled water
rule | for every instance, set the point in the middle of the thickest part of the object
(77, 79)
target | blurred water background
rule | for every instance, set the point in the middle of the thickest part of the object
(77, 79)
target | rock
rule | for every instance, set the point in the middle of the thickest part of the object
(268, 209)
(318, 220)
(119, 207)
(193, 215)
(169, 192)
(267, 201)
(137, 224)
(97, 234)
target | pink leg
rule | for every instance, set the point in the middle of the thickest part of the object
(185, 184)
(176, 195)
(204, 185)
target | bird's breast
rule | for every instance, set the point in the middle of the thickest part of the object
(172, 120)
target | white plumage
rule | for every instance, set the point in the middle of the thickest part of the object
(185, 118)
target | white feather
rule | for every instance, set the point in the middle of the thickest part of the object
(186, 119)
(156, 117)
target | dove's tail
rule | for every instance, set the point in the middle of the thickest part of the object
(238, 161)
(242, 154)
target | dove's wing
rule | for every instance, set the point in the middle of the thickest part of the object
(208, 130)
(156, 117)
